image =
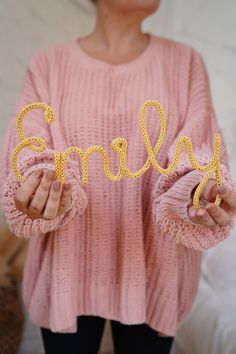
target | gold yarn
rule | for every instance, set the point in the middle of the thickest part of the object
(119, 145)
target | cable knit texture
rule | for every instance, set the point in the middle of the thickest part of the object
(124, 250)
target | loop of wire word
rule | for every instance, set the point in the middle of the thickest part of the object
(119, 145)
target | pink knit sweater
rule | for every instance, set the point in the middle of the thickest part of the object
(124, 250)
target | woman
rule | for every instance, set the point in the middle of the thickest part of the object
(97, 253)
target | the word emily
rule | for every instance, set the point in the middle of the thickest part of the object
(119, 145)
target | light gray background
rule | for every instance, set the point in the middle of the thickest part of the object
(209, 26)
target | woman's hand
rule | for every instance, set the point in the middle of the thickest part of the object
(209, 213)
(41, 196)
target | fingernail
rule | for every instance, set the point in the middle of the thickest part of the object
(221, 189)
(38, 173)
(67, 186)
(56, 186)
(50, 175)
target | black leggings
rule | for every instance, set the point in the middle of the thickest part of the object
(127, 339)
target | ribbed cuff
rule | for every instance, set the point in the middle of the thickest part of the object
(19, 223)
(170, 211)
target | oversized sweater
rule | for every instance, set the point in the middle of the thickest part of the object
(124, 250)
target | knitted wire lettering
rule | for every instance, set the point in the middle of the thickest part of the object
(119, 145)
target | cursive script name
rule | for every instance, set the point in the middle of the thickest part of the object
(119, 145)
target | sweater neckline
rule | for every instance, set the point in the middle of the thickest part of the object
(135, 64)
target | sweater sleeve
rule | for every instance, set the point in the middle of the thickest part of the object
(171, 195)
(35, 88)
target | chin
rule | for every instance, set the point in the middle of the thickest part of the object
(135, 5)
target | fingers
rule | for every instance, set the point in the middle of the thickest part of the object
(201, 217)
(65, 198)
(40, 197)
(59, 200)
(229, 199)
(24, 193)
(211, 214)
(53, 202)
(220, 216)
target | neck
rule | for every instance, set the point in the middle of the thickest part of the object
(116, 31)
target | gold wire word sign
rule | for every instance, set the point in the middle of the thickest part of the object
(119, 145)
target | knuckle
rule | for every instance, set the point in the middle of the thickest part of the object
(65, 198)
(30, 183)
(45, 185)
(65, 195)
(63, 204)
(56, 193)
(47, 216)
(67, 189)
(49, 213)
(34, 208)
(54, 197)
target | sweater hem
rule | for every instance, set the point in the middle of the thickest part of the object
(123, 304)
